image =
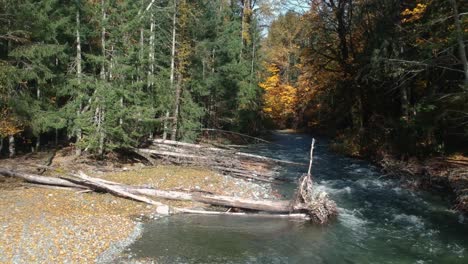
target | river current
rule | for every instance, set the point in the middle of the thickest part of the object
(378, 222)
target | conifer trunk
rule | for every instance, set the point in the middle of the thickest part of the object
(176, 108)
(140, 66)
(38, 143)
(172, 77)
(461, 44)
(11, 146)
(165, 127)
(103, 41)
(245, 25)
(151, 51)
(78, 76)
(56, 137)
(404, 102)
(100, 110)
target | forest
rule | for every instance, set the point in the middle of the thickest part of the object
(379, 76)
(233, 131)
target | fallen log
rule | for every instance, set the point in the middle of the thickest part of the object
(226, 152)
(92, 183)
(263, 158)
(235, 133)
(169, 153)
(253, 172)
(82, 181)
(40, 179)
(258, 205)
(315, 206)
(220, 200)
(232, 163)
(205, 212)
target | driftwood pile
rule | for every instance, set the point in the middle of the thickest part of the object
(227, 161)
(306, 205)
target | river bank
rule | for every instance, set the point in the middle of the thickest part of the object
(443, 175)
(58, 225)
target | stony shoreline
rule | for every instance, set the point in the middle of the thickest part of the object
(116, 249)
(41, 225)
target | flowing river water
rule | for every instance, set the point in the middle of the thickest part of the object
(378, 222)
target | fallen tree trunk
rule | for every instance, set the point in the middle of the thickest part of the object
(318, 207)
(235, 133)
(112, 189)
(220, 200)
(171, 154)
(229, 162)
(40, 179)
(224, 151)
(83, 181)
(204, 212)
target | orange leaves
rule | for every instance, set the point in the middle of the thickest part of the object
(280, 99)
(412, 15)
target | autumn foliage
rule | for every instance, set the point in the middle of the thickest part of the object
(9, 125)
(279, 99)
(385, 76)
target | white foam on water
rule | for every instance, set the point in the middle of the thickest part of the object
(347, 189)
(461, 218)
(456, 249)
(413, 220)
(372, 183)
(397, 190)
(324, 188)
(351, 219)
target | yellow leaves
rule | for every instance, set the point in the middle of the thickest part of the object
(412, 15)
(279, 100)
(9, 125)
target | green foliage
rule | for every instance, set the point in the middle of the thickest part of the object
(123, 92)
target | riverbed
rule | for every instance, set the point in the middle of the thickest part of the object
(378, 222)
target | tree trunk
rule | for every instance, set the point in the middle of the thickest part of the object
(245, 27)
(118, 191)
(151, 51)
(122, 107)
(252, 64)
(461, 44)
(40, 179)
(11, 146)
(78, 76)
(1, 145)
(100, 109)
(315, 207)
(101, 133)
(38, 143)
(79, 135)
(165, 127)
(176, 108)
(172, 77)
(56, 137)
(404, 102)
(103, 41)
(132, 192)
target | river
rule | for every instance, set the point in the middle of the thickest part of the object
(378, 222)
